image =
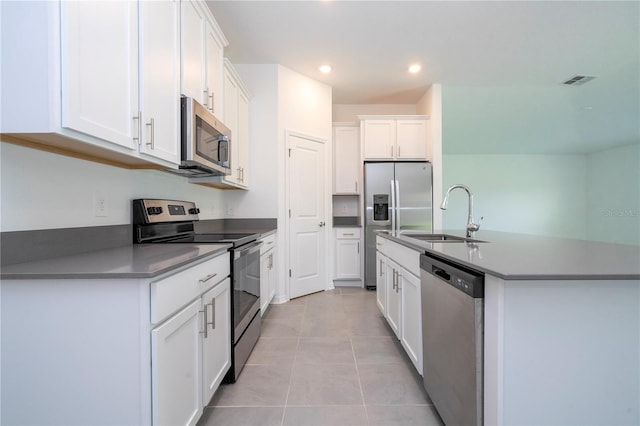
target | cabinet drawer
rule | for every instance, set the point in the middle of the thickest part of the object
(381, 245)
(268, 243)
(172, 293)
(348, 233)
(407, 258)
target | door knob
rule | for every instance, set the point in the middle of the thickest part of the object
(321, 224)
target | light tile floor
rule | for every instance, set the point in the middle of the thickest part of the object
(325, 359)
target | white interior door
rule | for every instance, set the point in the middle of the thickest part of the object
(307, 222)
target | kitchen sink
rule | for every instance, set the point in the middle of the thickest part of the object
(441, 238)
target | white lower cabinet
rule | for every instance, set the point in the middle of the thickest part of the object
(268, 274)
(175, 374)
(190, 351)
(394, 303)
(348, 263)
(216, 360)
(381, 282)
(398, 295)
(132, 351)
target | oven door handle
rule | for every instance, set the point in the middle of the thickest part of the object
(250, 248)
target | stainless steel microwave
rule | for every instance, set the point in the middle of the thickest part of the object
(206, 142)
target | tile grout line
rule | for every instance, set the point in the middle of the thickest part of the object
(355, 361)
(293, 365)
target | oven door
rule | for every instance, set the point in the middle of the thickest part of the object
(246, 286)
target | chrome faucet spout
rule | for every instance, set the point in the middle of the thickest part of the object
(471, 226)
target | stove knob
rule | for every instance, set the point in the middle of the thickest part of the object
(158, 210)
(150, 211)
(194, 210)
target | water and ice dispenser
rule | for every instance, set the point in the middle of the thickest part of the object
(380, 207)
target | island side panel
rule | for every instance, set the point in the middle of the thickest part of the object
(569, 352)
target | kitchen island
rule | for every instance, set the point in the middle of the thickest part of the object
(561, 326)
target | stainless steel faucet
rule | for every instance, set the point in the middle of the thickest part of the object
(471, 227)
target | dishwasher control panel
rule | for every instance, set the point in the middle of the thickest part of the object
(466, 280)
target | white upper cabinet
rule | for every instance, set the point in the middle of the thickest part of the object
(394, 137)
(346, 159)
(235, 115)
(99, 53)
(202, 56)
(104, 75)
(160, 79)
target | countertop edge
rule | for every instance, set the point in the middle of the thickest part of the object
(219, 250)
(510, 277)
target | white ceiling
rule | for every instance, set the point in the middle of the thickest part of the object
(500, 64)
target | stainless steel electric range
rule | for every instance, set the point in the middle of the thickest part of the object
(172, 222)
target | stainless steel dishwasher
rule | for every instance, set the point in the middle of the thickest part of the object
(452, 339)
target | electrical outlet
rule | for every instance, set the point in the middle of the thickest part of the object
(100, 206)
(230, 210)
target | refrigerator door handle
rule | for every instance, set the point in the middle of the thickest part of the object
(393, 206)
(397, 206)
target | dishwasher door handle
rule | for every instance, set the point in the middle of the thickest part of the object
(441, 273)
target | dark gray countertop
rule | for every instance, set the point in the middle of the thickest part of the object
(131, 261)
(530, 257)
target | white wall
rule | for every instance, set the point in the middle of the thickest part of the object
(613, 193)
(529, 194)
(41, 190)
(264, 155)
(431, 104)
(281, 100)
(346, 113)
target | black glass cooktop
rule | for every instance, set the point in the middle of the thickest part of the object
(235, 239)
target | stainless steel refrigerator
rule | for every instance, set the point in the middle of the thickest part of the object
(398, 197)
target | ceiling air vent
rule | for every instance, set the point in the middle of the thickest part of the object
(578, 80)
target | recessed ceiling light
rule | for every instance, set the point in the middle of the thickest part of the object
(414, 68)
(325, 69)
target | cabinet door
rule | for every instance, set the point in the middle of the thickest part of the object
(381, 283)
(193, 51)
(411, 330)
(175, 368)
(264, 281)
(98, 39)
(216, 346)
(346, 160)
(231, 121)
(214, 52)
(411, 139)
(273, 274)
(347, 259)
(160, 79)
(242, 137)
(379, 139)
(393, 297)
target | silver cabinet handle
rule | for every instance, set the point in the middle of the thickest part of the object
(207, 278)
(213, 313)
(151, 142)
(358, 247)
(204, 311)
(399, 150)
(381, 270)
(139, 118)
(238, 169)
(349, 234)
